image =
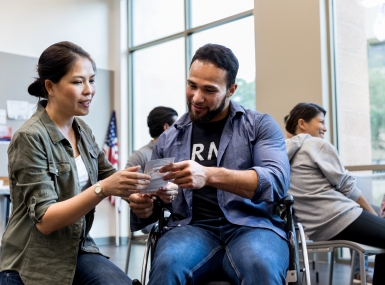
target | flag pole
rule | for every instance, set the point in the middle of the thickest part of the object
(110, 149)
(117, 226)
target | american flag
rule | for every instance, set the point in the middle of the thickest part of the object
(110, 149)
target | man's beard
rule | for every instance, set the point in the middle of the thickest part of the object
(208, 116)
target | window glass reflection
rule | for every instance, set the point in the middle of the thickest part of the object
(242, 45)
(360, 83)
(159, 80)
(151, 19)
(203, 11)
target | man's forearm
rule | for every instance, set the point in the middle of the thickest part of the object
(239, 182)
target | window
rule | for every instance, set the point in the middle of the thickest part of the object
(359, 59)
(160, 51)
(243, 47)
(203, 11)
(150, 19)
(360, 82)
(159, 81)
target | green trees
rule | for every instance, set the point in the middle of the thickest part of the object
(376, 64)
(377, 106)
(245, 94)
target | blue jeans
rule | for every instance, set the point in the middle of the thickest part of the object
(91, 269)
(10, 277)
(246, 255)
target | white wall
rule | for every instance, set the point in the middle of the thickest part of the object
(28, 27)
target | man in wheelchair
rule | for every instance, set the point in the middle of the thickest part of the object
(232, 168)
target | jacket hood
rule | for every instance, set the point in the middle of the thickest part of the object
(294, 144)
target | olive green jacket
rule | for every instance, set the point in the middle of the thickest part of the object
(42, 171)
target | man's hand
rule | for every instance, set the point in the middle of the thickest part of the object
(186, 174)
(141, 205)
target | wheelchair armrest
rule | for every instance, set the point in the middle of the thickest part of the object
(159, 204)
(287, 200)
(159, 208)
(285, 211)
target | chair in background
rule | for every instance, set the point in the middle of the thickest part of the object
(330, 246)
(139, 237)
(284, 209)
(365, 184)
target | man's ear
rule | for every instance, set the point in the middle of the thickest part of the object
(165, 126)
(231, 90)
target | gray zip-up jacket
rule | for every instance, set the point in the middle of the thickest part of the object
(324, 191)
(42, 171)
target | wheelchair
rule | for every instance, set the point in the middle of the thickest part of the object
(295, 275)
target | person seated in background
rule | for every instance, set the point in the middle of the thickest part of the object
(231, 168)
(57, 176)
(158, 120)
(327, 201)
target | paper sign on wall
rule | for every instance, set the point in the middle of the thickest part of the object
(17, 110)
(5, 133)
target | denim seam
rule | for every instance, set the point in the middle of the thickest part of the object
(190, 275)
(233, 265)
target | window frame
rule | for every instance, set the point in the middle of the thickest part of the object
(186, 34)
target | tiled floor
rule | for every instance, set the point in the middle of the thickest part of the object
(118, 256)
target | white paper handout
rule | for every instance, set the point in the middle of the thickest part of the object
(152, 168)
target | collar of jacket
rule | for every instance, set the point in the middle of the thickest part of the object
(53, 131)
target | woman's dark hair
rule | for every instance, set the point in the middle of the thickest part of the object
(220, 56)
(158, 117)
(305, 111)
(54, 63)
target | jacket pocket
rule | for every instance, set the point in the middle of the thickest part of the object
(63, 179)
(59, 168)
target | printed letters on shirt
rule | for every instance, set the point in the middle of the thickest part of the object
(198, 148)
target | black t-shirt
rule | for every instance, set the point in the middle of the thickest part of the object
(204, 150)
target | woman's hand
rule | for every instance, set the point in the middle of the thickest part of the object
(168, 193)
(125, 182)
(141, 205)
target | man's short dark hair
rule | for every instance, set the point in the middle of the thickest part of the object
(220, 56)
(158, 117)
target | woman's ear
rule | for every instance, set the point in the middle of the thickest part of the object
(302, 124)
(49, 87)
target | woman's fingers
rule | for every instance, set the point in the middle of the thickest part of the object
(141, 205)
(125, 182)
